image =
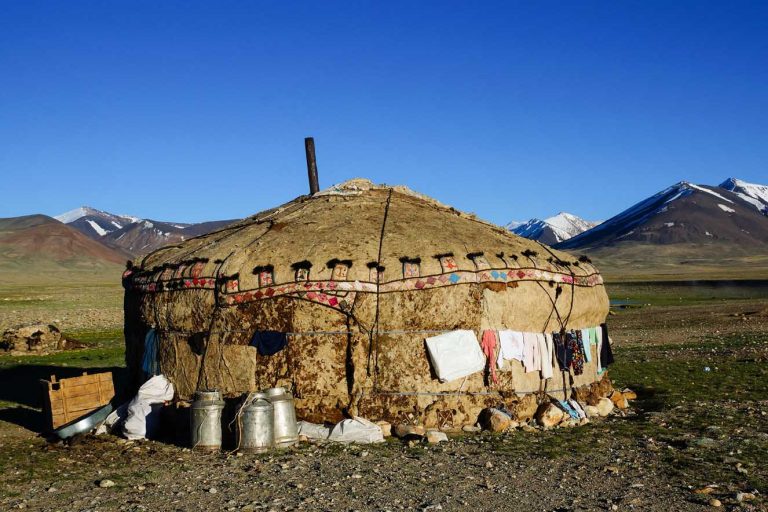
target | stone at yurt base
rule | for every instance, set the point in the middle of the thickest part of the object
(333, 295)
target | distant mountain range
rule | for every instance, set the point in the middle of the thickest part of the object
(131, 234)
(38, 246)
(686, 213)
(697, 230)
(552, 230)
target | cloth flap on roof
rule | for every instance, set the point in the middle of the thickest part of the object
(455, 355)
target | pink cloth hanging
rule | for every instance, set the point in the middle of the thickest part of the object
(488, 344)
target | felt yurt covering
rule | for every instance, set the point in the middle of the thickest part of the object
(357, 276)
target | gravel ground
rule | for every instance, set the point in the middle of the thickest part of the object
(518, 471)
(689, 430)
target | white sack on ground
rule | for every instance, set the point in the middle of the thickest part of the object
(455, 355)
(313, 430)
(356, 430)
(141, 421)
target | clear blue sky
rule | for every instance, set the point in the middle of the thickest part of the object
(193, 111)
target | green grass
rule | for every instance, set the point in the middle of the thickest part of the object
(104, 350)
(671, 294)
(679, 404)
(722, 404)
(677, 373)
(83, 358)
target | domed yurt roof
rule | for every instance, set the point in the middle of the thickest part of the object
(353, 279)
(360, 225)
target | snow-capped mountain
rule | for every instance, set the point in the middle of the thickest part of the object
(146, 235)
(552, 230)
(511, 225)
(680, 214)
(94, 223)
(132, 234)
(754, 194)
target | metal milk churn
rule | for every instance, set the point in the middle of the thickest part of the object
(206, 420)
(286, 428)
(256, 425)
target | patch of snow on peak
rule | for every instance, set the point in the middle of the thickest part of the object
(725, 208)
(72, 215)
(562, 226)
(98, 229)
(681, 192)
(706, 190)
(118, 226)
(754, 194)
(512, 225)
(566, 225)
(148, 224)
(669, 224)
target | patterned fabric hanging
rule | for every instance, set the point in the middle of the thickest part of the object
(575, 346)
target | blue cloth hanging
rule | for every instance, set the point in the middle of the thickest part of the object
(268, 343)
(149, 363)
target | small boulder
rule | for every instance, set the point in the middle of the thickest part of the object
(629, 394)
(104, 484)
(617, 397)
(591, 411)
(494, 420)
(604, 406)
(744, 496)
(32, 338)
(549, 415)
(471, 429)
(714, 502)
(386, 428)
(404, 430)
(435, 436)
(525, 408)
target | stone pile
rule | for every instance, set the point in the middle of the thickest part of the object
(32, 338)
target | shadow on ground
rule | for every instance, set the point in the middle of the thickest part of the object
(21, 385)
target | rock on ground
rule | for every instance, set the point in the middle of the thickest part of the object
(32, 338)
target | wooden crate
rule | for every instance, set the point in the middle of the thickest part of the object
(68, 399)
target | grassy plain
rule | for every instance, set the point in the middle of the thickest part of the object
(696, 356)
(649, 262)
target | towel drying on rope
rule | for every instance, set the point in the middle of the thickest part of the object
(510, 346)
(488, 345)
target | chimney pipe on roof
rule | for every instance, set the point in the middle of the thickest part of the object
(309, 147)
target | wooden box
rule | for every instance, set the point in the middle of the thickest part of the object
(68, 399)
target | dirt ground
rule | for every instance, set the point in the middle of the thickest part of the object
(700, 424)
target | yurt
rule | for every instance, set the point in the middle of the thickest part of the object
(361, 299)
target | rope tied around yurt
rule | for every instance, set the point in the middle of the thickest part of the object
(378, 286)
(561, 322)
(308, 333)
(207, 337)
